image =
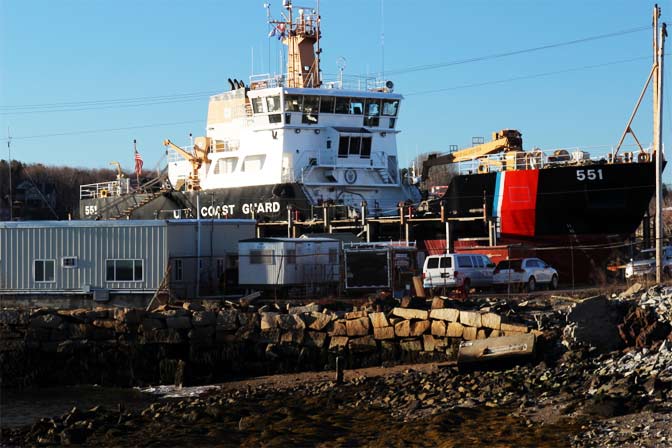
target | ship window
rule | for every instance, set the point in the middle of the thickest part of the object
(311, 104)
(342, 105)
(393, 121)
(327, 104)
(356, 106)
(273, 103)
(226, 166)
(373, 122)
(44, 271)
(355, 144)
(372, 107)
(293, 103)
(275, 118)
(343, 146)
(366, 148)
(288, 118)
(253, 163)
(390, 107)
(257, 105)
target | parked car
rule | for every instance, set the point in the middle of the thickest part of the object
(645, 263)
(457, 270)
(527, 273)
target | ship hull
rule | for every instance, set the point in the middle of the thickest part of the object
(568, 203)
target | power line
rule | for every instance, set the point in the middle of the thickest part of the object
(96, 131)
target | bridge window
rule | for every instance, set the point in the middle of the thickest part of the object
(293, 103)
(257, 105)
(327, 104)
(275, 118)
(372, 122)
(356, 106)
(355, 145)
(226, 166)
(273, 104)
(343, 143)
(372, 107)
(390, 107)
(342, 105)
(311, 104)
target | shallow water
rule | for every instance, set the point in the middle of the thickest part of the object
(24, 407)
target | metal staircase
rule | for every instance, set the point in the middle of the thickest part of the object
(136, 198)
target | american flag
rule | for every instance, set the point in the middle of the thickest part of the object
(138, 163)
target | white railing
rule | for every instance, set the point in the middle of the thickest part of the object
(267, 81)
(215, 146)
(105, 189)
(536, 158)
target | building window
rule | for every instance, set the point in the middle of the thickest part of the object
(69, 262)
(124, 271)
(262, 256)
(177, 270)
(44, 271)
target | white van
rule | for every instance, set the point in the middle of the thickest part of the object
(455, 270)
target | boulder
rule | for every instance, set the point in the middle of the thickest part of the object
(294, 336)
(310, 308)
(448, 314)
(594, 322)
(9, 317)
(363, 344)
(419, 327)
(438, 328)
(411, 345)
(383, 333)
(403, 328)
(203, 318)
(269, 320)
(178, 322)
(290, 322)
(315, 339)
(104, 323)
(201, 335)
(317, 321)
(190, 306)
(355, 314)
(151, 324)
(410, 313)
(357, 327)
(378, 320)
(495, 334)
(491, 320)
(470, 318)
(481, 334)
(129, 316)
(437, 303)
(470, 333)
(227, 319)
(454, 330)
(339, 329)
(46, 321)
(338, 342)
(513, 328)
(428, 342)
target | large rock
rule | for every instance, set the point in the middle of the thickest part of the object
(454, 330)
(129, 316)
(420, 327)
(338, 342)
(161, 336)
(201, 335)
(411, 345)
(51, 321)
(180, 322)
(513, 328)
(104, 323)
(363, 344)
(448, 314)
(470, 333)
(594, 322)
(294, 336)
(438, 328)
(227, 320)
(269, 320)
(437, 303)
(310, 308)
(357, 327)
(9, 317)
(383, 333)
(470, 318)
(403, 328)
(315, 339)
(151, 324)
(317, 321)
(410, 313)
(429, 343)
(355, 314)
(203, 318)
(491, 320)
(339, 329)
(289, 322)
(378, 320)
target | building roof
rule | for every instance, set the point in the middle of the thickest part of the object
(288, 240)
(120, 223)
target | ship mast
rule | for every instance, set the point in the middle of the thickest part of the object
(302, 37)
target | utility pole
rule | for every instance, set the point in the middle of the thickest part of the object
(658, 94)
(11, 200)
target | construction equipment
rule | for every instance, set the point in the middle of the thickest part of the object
(120, 173)
(196, 160)
(506, 140)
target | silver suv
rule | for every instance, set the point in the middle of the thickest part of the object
(644, 263)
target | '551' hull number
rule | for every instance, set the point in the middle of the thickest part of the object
(589, 174)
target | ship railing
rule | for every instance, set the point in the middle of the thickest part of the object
(358, 83)
(536, 159)
(215, 146)
(105, 189)
(309, 160)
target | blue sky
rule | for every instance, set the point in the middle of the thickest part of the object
(144, 69)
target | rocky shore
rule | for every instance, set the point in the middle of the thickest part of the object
(578, 391)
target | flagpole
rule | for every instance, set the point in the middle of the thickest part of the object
(135, 152)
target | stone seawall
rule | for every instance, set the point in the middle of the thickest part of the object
(196, 345)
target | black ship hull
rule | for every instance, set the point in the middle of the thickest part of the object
(578, 202)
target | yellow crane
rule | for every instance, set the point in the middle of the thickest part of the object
(120, 173)
(196, 160)
(506, 140)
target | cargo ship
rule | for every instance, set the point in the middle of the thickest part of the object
(291, 141)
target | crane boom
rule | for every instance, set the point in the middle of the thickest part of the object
(193, 182)
(502, 141)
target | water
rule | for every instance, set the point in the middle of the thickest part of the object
(24, 407)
